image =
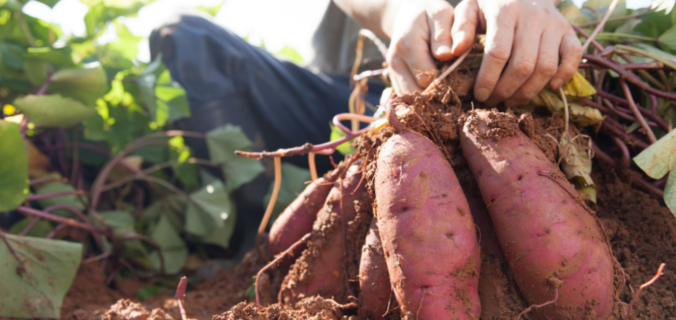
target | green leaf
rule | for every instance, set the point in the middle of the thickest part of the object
(102, 12)
(670, 192)
(601, 6)
(659, 158)
(166, 100)
(167, 207)
(57, 57)
(53, 110)
(40, 230)
(38, 290)
(210, 208)
(126, 45)
(668, 38)
(223, 141)
(84, 84)
(344, 148)
(293, 183)
(240, 170)
(36, 71)
(290, 54)
(628, 26)
(173, 248)
(71, 200)
(11, 55)
(118, 219)
(13, 167)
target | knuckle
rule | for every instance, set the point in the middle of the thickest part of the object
(524, 67)
(498, 52)
(548, 69)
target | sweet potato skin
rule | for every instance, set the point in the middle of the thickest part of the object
(321, 268)
(549, 239)
(427, 232)
(374, 281)
(298, 217)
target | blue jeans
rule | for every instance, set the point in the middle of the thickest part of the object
(276, 103)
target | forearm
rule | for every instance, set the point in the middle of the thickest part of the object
(375, 15)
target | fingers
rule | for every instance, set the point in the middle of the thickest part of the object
(402, 79)
(498, 47)
(545, 68)
(440, 20)
(464, 26)
(523, 60)
(571, 53)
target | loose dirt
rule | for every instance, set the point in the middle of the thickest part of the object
(641, 230)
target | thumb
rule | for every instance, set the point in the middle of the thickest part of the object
(439, 21)
(464, 26)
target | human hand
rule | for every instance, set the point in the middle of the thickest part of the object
(420, 30)
(528, 36)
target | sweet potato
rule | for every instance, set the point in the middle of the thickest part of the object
(322, 267)
(374, 280)
(427, 231)
(298, 217)
(551, 241)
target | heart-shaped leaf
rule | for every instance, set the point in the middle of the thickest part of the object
(53, 110)
(35, 287)
(13, 167)
(659, 158)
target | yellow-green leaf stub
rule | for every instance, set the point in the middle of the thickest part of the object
(660, 158)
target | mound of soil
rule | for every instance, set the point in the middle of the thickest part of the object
(641, 231)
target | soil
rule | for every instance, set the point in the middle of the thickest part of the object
(641, 231)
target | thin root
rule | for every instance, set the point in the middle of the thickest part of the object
(279, 258)
(660, 272)
(271, 205)
(556, 297)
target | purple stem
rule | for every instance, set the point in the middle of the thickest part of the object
(78, 213)
(29, 226)
(630, 66)
(626, 157)
(150, 241)
(79, 145)
(627, 75)
(43, 180)
(56, 230)
(55, 194)
(653, 102)
(616, 129)
(660, 183)
(651, 115)
(637, 114)
(43, 88)
(62, 220)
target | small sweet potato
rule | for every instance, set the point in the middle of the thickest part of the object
(553, 243)
(427, 231)
(374, 280)
(298, 217)
(322, 267)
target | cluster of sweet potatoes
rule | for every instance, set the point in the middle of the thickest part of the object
(412, 243)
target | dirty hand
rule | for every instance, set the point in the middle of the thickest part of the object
(421, 29)
(528, 36)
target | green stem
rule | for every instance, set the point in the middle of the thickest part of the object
(614, 36)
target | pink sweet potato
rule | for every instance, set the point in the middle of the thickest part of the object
(322, 267)
(551, 241)
(374, 280)
(298, 217)
(427, 231)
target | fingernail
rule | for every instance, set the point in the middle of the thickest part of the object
(443, 50)
(556, 83)
(481, 94)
